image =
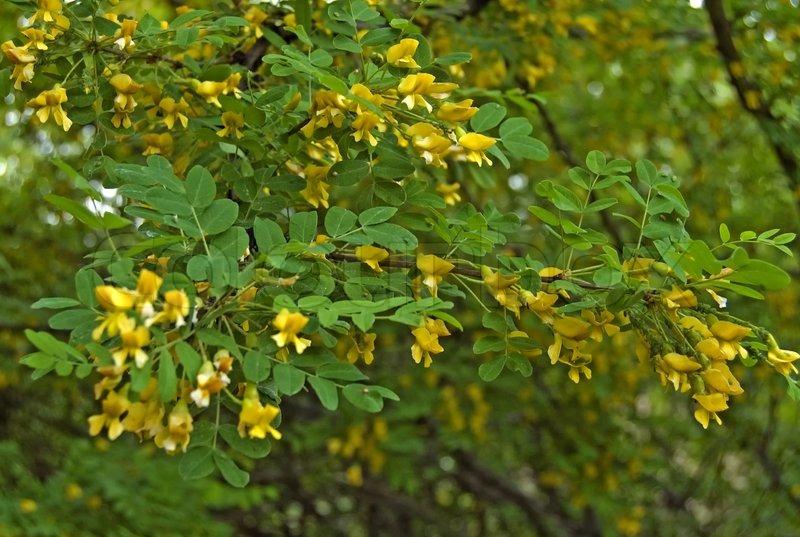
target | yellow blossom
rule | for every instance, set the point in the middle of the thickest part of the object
(449, 192)
(316, 190)
(133, 338)
(23, 61)
(255, 418)
(402, 54)
(431, 143)
(144, 416)
(157, 144)
(36, 38)
(50, 12)
(783, 360)
(501, 289)
(232, 124)
(416, 87)
(425, 343)
(729, 334)
(679, 298)
(709, 406)
(475, 145)
(176, 434)
(210, 91)
(363, 347)
(114, 299)
(600, 323)
(371, 256)
(174, 110)
(49, 102)
(433, 269)
(289, 325)
(541, 304)
(456, 112)
(125, 34)
(327, 108)
(210, 380)
(114, 406)
(363, 125)
(719, 377)
(175, 310)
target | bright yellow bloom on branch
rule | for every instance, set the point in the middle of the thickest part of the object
(402, 54)
(363, 347)
(23, 61)
(433, 269)
(173, 110)
(132, 338)
(449, 192)
(157, 144)
(49, 103)
(709, 406)
(232, 124)
(456, 112)
(176, 434)
(175, 309)
(210, 91)
(430, 142)
(416, 87)
(475, 146)
(783, 360)
(114, 406)
(371, 256)
(316, 190)
(255, 418)
(289, 325)
(427, 342)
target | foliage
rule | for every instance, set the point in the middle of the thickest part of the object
(303, 188)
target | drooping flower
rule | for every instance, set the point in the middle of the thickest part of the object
(124, 102)
(175, 309)
(255, 418)
(210, 91)
(430, 142)
(176, 435)
(49, 102)
(157, 144)
(371, 256)
(133, 338)
(601, 322)
(425, 344)
(402, 54)
(173, 110)
(316, 190)
(327, 108)
(456, 112)
(212, 378)
(475, 146)
(710, 405)
(449, 192)
(417, 87)
(289, 325)
(232, 124)
(125, 34)
(502, 289)
(783, 360)
(433, 269)
(23, 61)
(541, 303)
(363, 125)
(114, 406)
(363, 347)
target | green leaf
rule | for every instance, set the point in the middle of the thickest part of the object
(256, 366)
(67, 320)
(218, 217)
(200, 187)
(268, 235)
(341, 371)
(196, 463)
(339, 220)
(235, 476)
(491, 369)
(376, 215)
(488, 116)
(38, 360)
(364, 320)
(392, 236)
(326, 392)
(646, 172)
(288, 379)
(167, 379)
(168, 202)
(599, 205)
(55, 303)
(348, 172)
(78, 210)
(363, 397)
(544, 215)
(526, 147)
(488, 344)
(454, 58)
(495, 321)
(515, 126)
(596, 161)
(254, 448)
(393, 166)
(518, 362)
(189, 358)
(303, 227)
(342, 42)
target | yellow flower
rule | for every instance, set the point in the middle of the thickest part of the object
(363, 347)
(176, 434)
(175, 310)
(709, 406)
(719, 377)
(501, 288)
(783, 360)
(425, 343)
(456, 112)
(327, 108)
(114, 299)
(371, 256)
(289, 325)
(256, 16)
(363, 125)
(210, 380)
(316, 190)
(49, 102)
(174, 110)
(114, 406)
(679, 298)
(157, 144)
(568, 331)
(232, 124)
(434, 269)
(255, 418)
(541, 304)
(23, 61)
(601, 324)
(729, 334)
(402, 54)
(125, 35)
(449, 192)
(210, 91)
(50, 11)
(133, 338)
(431, 143)
(26, 505)
(475, 144)
(415, 87)
(681, 363)
(144, 417)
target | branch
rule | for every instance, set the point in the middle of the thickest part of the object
(750, 94)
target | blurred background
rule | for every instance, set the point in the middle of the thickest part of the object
(618, 455)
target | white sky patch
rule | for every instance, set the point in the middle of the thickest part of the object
(696, 4)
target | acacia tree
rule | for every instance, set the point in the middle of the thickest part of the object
(305, 189)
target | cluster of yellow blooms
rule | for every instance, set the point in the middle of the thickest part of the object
(129, 316)
(361, 442)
